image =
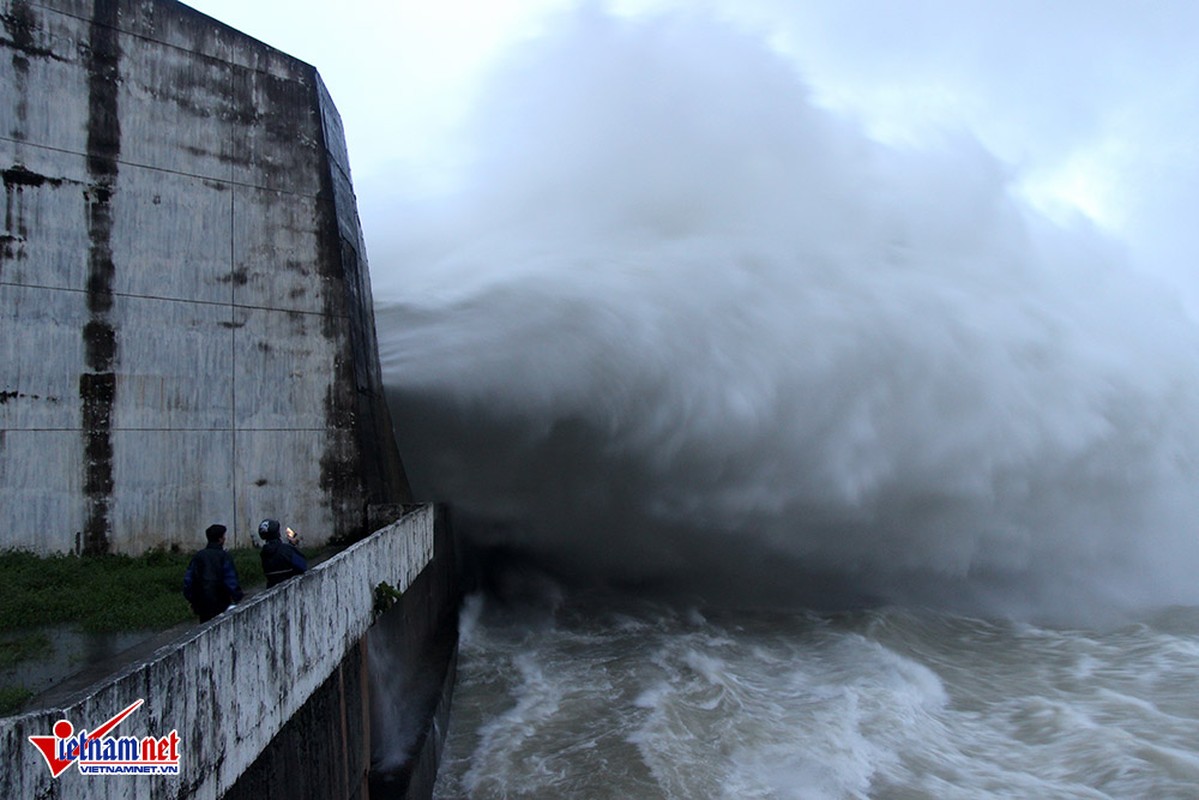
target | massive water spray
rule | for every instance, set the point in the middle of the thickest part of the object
(677, 325)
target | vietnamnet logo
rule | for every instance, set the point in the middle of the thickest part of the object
(97, 753)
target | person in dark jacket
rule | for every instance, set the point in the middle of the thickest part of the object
(210, 583)
(280, 560)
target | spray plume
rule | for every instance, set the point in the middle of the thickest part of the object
(679, 324)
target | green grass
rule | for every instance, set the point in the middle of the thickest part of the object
(21, 646)
(12, 698)
(103, 593)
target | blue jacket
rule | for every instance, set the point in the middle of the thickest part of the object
(210, 583)
(280, 561)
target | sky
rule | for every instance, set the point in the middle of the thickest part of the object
(1092, 104)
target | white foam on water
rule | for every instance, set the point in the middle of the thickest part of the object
(878, 704)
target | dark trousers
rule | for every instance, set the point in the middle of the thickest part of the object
(207, 610)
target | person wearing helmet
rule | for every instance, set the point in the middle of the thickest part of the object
(210, 584)
(280, 560)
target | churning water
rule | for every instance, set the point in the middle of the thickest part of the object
(800, 465)
(620, 698)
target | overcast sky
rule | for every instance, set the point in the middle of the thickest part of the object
(1094, 104)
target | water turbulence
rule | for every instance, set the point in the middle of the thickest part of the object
(624, 699)
(679, 327)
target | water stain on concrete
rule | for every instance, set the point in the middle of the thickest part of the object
(97, 389)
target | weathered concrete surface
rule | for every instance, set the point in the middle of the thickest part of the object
(383, 713)
(413, 664)
(231, 687)
(186, 332)
(323, 752)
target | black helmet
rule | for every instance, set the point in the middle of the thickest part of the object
(269, 529)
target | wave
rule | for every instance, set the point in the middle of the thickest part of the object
(678, 325)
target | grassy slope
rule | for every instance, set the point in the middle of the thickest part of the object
(107, 593)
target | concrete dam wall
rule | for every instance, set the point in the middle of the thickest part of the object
(186, 329)
(187, 337)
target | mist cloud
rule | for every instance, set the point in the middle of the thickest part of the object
(677, 323)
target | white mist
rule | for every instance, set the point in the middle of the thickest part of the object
(679, 324)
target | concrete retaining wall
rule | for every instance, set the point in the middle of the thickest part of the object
(233, 685)
(412, 653)
(186, 331)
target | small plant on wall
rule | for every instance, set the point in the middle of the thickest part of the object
(386, 596)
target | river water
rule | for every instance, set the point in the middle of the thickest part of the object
(615, 697)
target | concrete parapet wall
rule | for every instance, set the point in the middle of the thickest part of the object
(233, 684)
